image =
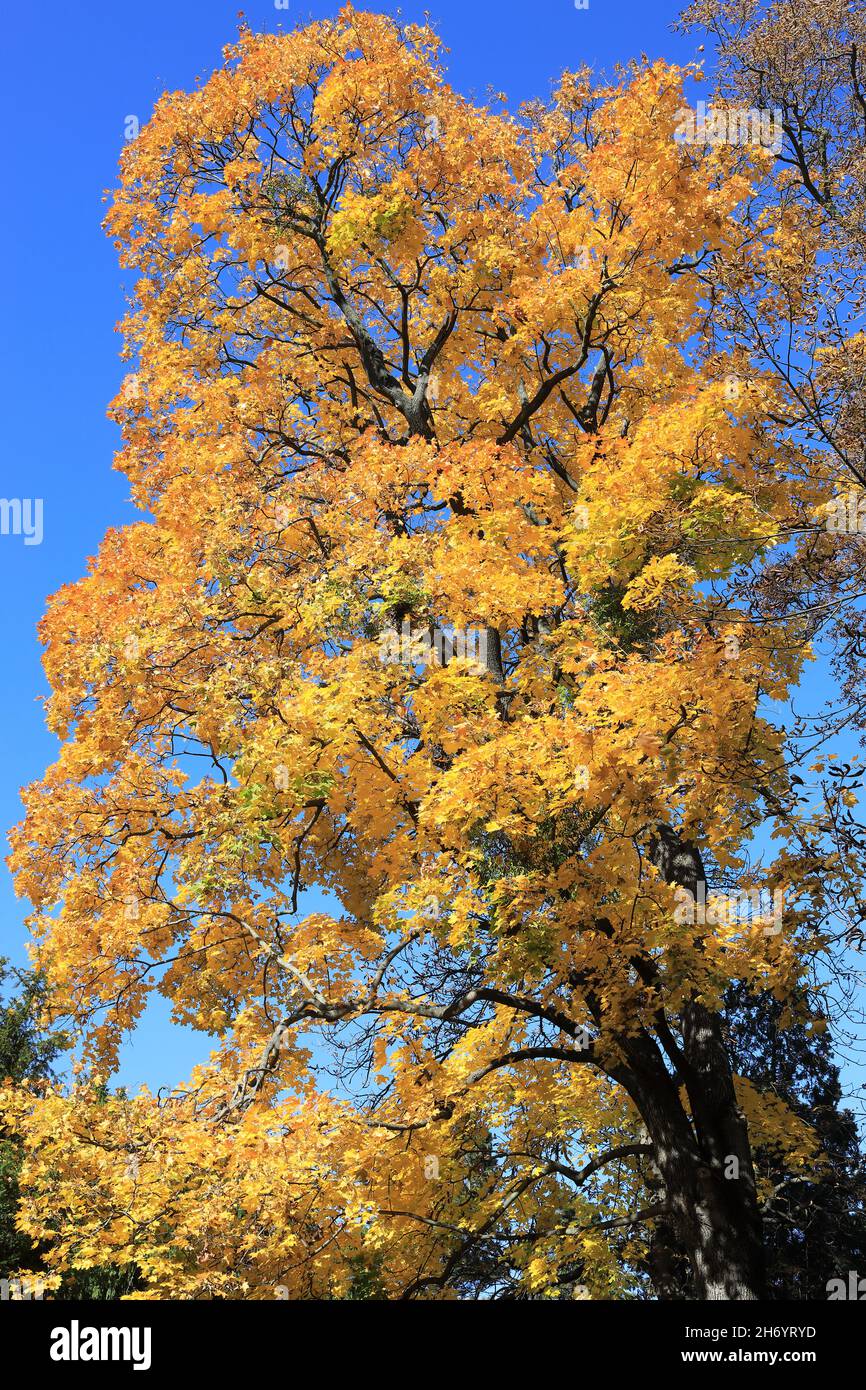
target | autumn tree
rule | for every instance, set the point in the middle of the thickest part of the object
(448, 490)
(30, 1057)
(794, 306)
(25, 1057)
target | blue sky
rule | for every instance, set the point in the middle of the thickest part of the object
(74, 75)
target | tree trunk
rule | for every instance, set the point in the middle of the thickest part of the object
(717, 1226)
(708, 1188)
(704, 1159)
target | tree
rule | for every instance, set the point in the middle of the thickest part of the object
(794, 310)
(26, 1056)
(815, 1223)
(436, 610)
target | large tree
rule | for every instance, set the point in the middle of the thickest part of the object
(408, 365)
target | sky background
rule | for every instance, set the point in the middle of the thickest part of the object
(74, 75)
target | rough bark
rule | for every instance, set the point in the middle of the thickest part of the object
(705, 1160)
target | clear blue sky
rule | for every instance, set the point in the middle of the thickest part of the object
(73, 73)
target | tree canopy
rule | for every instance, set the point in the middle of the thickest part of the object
(471, 494)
